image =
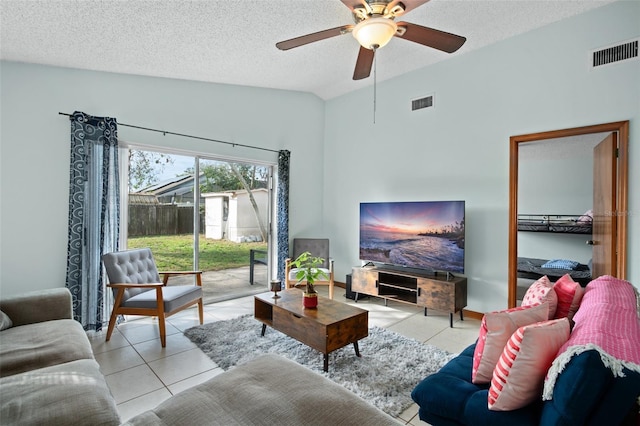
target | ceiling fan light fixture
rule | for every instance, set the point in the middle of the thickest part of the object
(374, 33)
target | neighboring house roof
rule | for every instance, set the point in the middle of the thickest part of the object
(168, 184)
(178, 185)
(232, 192)
(146, 199)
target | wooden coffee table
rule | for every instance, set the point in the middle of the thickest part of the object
(330, 326)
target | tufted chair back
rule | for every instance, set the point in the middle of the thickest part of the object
(318, 247)
(131, 266)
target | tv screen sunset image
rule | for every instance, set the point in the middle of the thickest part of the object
(425, 235)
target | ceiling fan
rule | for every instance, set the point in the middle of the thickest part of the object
(374, 26)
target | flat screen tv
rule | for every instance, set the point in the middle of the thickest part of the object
(425, 235)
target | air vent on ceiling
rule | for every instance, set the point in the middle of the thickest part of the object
(617, 53)
(426, 102)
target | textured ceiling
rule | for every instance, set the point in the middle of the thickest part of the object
(233, 41)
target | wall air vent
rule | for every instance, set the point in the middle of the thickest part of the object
(612, 54)
(426, 102)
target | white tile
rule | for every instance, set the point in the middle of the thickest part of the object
(181, 366)
(385, 317)
(456, 339)
(419, 327)
(152, 350)
(145, 331)
(99, 343)
(118, 359)
(193, 381)
(408, 414)
(132, 383)
(183, 323)
(143, 403)
(225, 312)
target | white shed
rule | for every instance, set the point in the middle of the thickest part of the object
(229, 215)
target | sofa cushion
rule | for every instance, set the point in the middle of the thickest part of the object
(587, 393)
(42, 344)
(495, 330)
(449, 398)
(38, 306)
(542, 291)
(569, 295)
(70, 393)
(174, 297)
(269, 390)
(519, 375)
(5, 321)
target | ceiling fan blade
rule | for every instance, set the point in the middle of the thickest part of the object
(431, 37)
(409, 5)
(364, 63)
(310, 38)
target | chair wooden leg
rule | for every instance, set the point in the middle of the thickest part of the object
(163, 329)
(114, 313)
(161, 318)
(112, 323)
(200, 303)
(331, 291)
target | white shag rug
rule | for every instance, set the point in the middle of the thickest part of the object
(390, 365)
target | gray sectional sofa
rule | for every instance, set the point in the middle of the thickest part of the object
(47, 371)
(48, 376)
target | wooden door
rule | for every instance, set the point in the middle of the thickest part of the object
(604, 207)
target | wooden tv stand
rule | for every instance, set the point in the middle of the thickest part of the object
(437, 292)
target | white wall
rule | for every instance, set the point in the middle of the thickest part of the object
(538, 81)
(555, 184)
(34, 160)
(247, 224)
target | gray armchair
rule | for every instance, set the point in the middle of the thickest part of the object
(318, 247)
(137, 289)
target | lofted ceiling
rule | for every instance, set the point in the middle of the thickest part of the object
(233, 41)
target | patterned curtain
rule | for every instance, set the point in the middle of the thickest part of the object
(283, 210)
(94, 214)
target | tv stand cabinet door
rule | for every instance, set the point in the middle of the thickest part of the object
(365, 281)
(448, 296)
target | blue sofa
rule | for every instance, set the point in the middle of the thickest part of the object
(586, 391)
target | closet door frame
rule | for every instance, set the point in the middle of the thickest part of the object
(621, 180)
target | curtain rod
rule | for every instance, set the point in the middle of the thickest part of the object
(165, 132)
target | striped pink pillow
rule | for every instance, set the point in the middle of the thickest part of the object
(495, 330)
(569, 295)
(519, 374)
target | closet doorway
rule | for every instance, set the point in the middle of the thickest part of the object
(609, 195)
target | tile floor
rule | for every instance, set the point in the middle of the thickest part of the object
(141, 374)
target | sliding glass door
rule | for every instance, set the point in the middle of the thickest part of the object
(202, 213)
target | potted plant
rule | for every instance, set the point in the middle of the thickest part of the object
(308, 270)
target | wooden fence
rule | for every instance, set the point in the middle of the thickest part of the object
(161, 219)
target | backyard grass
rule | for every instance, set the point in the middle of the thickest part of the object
(175, 252)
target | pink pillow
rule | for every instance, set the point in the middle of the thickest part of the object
(569, 295)
(519, 375)
(495, 330)
(542, 291)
